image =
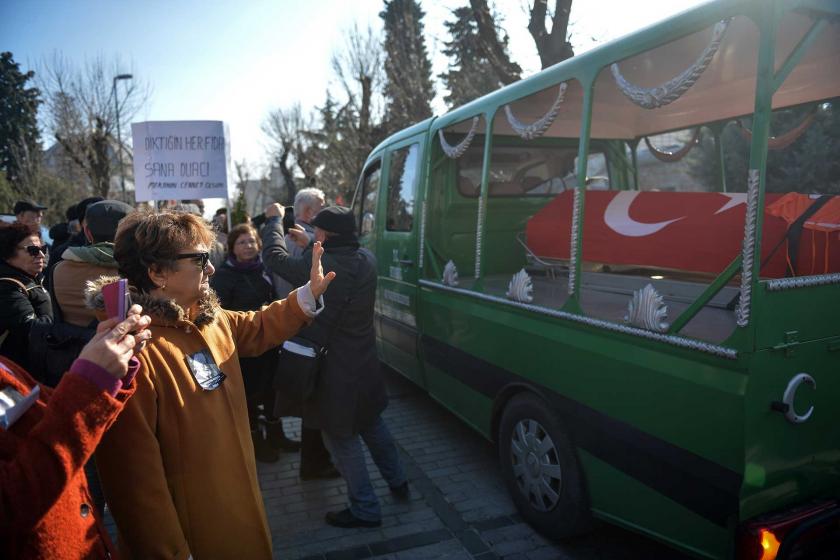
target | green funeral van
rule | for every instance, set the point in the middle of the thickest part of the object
(625, 272)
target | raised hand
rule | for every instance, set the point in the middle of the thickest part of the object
(116, 342)
(299, 236)
(274, 209)
(318, 283)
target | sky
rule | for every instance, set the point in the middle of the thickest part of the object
(236, 60)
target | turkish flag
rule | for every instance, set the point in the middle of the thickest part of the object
(691, 231)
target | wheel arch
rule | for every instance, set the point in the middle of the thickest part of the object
(502, 399)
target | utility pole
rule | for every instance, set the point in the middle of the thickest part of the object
(119, 135)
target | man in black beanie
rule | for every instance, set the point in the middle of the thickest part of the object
(350, 397)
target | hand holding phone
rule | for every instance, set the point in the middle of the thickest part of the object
(117, 300)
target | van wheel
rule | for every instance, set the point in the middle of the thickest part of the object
(541, 469)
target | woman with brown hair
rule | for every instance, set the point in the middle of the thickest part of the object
(178, 465)
(242, 284)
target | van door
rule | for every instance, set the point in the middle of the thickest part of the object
(397, 254)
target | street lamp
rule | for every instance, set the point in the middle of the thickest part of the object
(119, 135)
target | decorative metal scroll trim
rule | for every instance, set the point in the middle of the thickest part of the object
(691, 344)
(781, 284)
(458, 150)
(574, 242)
(647, 310)
(521, 288)
(478, 228)
(673, 89)
(450, 274)
(783, 140)
(539, 126)
(671, 157)
(742, 313)
(422, 237)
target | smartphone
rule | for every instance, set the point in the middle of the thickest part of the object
(117, 300)
(288, 218)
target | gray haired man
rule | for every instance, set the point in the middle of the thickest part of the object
(308, 202)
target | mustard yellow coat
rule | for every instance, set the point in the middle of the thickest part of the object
(178, 465)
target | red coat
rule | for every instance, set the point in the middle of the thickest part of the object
(45, 508)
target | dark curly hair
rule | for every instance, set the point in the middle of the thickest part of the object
(147, 239)
(11, 235)
(238, 231)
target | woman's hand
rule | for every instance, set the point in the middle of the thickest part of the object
(318, 283)
(116, 342)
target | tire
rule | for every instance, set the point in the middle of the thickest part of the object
(541, 469)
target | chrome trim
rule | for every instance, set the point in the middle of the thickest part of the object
(689, 343)
(478, 236)
(574, 241)
(742, 313)
(790, 396)
(647, 310)
(458, 149)
(673, 89)
(422, 237)
(539, 126)
(781, 284)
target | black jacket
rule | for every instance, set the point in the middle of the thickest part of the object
(351, 393)
(241, 290)
(20, 308)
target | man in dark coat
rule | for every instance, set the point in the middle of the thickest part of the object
(350, 397)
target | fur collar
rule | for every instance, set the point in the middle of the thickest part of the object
(162, 311)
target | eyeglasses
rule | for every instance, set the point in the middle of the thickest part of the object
(34, 250)
(201, 258)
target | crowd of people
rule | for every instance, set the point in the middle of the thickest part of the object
(163, 414)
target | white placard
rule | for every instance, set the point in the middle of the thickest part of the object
(180, 160)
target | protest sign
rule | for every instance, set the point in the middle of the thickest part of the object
(180, 160)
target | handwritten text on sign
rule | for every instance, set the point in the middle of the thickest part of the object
(180, 159)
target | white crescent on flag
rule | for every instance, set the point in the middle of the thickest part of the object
(617, 217)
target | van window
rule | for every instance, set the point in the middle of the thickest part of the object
(524, 171)
(370, 189)
(402, 181)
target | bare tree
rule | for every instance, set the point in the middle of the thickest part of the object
(291, 132)
(328, 145)
(82, 115)
(554, 46)
(353, 129)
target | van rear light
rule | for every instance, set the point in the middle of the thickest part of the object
(764, 538)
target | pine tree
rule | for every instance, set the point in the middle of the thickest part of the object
(19, 135)
(408, 84)
(470, 74)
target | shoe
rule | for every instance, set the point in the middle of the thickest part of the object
(402, 492)
(320, 474)
(262, 450)
(347, 520)
(278, 439)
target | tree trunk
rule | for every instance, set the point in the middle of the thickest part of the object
(288, 176)
(552, 47)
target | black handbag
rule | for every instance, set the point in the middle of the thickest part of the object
(299, 368)
(300, 361)
(53, 347)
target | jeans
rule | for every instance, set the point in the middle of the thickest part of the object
(349, 458)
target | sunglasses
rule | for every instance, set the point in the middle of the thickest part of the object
(201, 258)
(34, 250)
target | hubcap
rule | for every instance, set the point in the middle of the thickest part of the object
(536, 464)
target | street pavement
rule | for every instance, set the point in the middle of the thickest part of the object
(460, 508)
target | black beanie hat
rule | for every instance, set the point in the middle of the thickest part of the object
(335, 219)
